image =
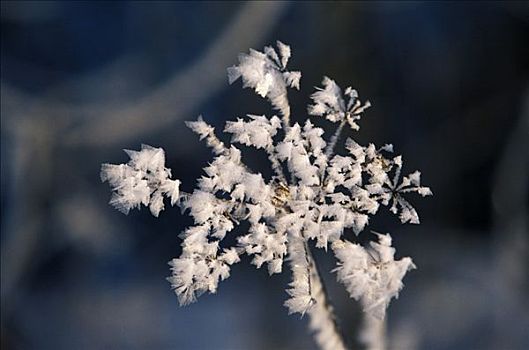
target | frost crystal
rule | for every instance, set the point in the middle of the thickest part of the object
(266, 73)
(330, 103)
(371, 275)
(143, 180)
(313, 203)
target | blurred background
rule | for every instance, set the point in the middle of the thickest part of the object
(80, 81)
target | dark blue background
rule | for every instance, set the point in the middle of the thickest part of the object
(82, 80)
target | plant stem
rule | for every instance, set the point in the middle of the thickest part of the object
(334, 139)
(373, 333)
(322, 318)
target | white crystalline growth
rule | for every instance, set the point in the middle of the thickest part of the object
(329, 102)
(301, 299)
(371, 276)
(313, 197)
(143, 180)
(258, 132)
(266, 73)
(386, 189)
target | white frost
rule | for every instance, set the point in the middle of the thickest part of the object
(313, 197)
(329, 102)
(371, 276)
(266, 73)
(143, 180)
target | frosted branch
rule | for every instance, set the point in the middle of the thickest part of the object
(322, 318)
(326, 195)
(206, 131)
(334, 139)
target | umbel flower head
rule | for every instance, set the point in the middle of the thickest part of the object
(313, 196)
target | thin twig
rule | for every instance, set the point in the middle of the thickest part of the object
(323, 322)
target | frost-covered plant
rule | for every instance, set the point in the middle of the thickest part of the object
(313, 196)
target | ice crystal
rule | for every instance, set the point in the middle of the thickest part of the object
(330, 103)
(313, 196)
(143, 180)
(371, 275)
(266, 73)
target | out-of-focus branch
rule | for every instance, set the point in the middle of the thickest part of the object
(511, 228)
(31, 156)
(103, 124)
(35, 125)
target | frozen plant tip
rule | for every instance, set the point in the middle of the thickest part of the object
(313, 196)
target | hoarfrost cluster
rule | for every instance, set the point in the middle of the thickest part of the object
(313, 196)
